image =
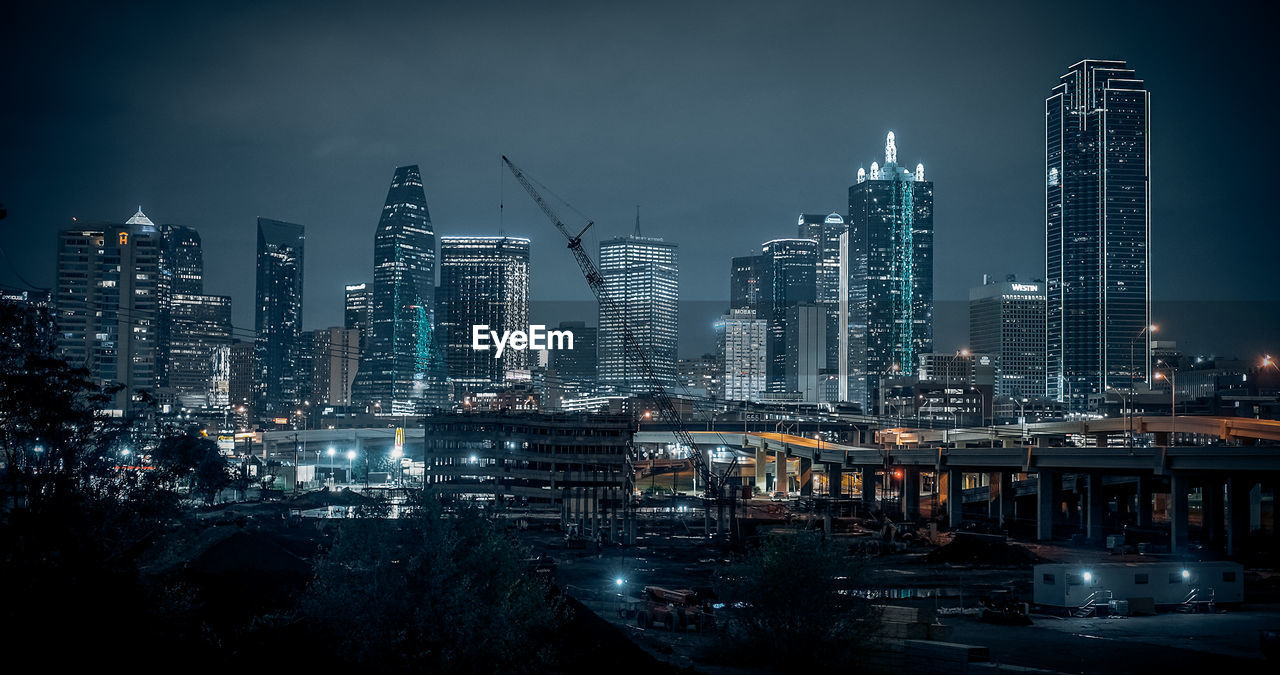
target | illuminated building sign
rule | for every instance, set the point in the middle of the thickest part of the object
(1025, 287)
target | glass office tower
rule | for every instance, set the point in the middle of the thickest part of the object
(886, 297)
(393, 372)
(278, 317)
(484, 281)
(642, 278)
(1097, 231)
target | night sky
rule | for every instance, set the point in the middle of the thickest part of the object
(723, 121)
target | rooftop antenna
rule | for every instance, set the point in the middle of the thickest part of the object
(502, 230)
(637, 220)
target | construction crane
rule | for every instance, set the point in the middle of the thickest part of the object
(666, 409)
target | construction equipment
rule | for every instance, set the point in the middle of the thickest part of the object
(674, 610)
(666, 409)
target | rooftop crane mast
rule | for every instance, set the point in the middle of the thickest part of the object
(666, 408)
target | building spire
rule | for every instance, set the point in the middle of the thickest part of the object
(637, 220)
(890, 150)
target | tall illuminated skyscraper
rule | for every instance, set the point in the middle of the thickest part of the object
(886, 261)
(393, 374)
(1097, 230)
(788, 279)
(483, 281)
(642, 278)
(106, 305)
(358, 310)
(278, 316)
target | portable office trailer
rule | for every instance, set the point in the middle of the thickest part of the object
(1167, 583)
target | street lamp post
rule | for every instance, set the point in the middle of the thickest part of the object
(1173, 401)
(351, 458)
(331, 452)
(1145, 331)
(396, 454)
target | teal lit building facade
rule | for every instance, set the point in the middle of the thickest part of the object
(886, 277)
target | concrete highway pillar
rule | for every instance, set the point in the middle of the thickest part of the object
(806, 477)
(1046, 504)
(835, 480)
(1239, 507)
(1179, 487)
(955, 497)
(780, 481)
(910, 492)
(869, 487)
(1212, 511)
(1094, 509)
(1003, 485)
(1144, 500)
(762, 471)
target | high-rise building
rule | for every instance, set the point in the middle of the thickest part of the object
(1007, 320)
(241, 364)
(788, 279)
(1097, 230)
(336, 361)
(744, 282)
(886, 261)
(962, 368)
(826, 231)
(181, 271)
(806, 351)
(106, 304)
(199, 326)
(358, 312)
(577, 365)
(278, 316)
(742, 345)
(394, 369)
(642, 279)
(484, 281)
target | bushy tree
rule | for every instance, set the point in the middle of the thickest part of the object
(787, 602)
(434, 592)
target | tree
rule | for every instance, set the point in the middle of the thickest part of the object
(435, 592)
(806, 621)
(191, 459)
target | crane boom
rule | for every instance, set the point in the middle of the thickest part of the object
(666, 409)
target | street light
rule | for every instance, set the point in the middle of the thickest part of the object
(1145, 331)
(351, 458)
(1173, 401)
(396, 454)
(331, 452)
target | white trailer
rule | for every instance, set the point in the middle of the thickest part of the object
(1166, 583)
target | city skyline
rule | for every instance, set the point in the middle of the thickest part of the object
(338, 172)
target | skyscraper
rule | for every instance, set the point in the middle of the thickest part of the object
(199, 326)
(742, 345)
(1097, 230)
(642, 279)
(826, 231)
(806, 351)
(1007, 320)
(181, 271)
(577, 365)
(336, 362)
(106, 304)
(483, 281)
(358, 308)
(886, 260)
(788, 279)
(744, 282)
(393, 372)
(278, 316)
